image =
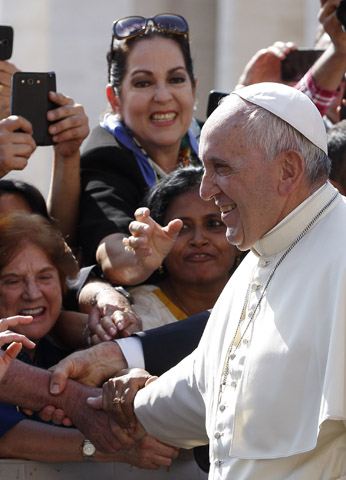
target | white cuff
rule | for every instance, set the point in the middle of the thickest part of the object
(133, 351)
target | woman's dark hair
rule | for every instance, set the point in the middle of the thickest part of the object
(172, 185)
(30, 193)
(120, 49)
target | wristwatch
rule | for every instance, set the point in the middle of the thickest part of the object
(88, 450)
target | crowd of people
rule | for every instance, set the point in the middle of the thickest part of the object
(178, 301)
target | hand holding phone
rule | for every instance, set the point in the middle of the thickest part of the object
(297, 63)
(29, 99)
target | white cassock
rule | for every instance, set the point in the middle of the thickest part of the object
(281, 414)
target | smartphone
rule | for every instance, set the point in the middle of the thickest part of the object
(29, 99)
(343, 108)
(6, 42)
(214, 99)
(297, 63)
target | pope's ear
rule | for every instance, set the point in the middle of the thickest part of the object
(291, 171)
(112, 98)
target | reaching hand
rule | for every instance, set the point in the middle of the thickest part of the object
(150, 242)
(118, 394)
(16, 341)
(91, 366)
(112, 317)
(149, 453)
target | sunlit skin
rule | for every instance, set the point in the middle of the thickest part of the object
(201, 254)
(156, 98)
(30, 285)
(243, 184)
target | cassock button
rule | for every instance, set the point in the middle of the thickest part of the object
(245, 341)
(222, 408)
(233, 384)
(264, 263)
(218, 463)
(217, 435)
(232, 356)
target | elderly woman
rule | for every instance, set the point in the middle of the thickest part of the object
(34, 265)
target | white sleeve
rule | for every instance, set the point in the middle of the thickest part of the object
(172, 408)
(133, 351)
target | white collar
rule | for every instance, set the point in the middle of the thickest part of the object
(284, 233)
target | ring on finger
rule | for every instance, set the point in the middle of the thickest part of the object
(117, 400)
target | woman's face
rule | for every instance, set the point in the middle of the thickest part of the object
(30, 285)
(201, 253)
(157, 98)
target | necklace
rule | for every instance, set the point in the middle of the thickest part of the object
(234, 346)
(171, 293)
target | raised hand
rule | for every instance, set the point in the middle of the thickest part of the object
(150, 242)
(265, 65)
(70, 125)
(15, 340)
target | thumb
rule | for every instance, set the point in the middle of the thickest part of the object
(174, 227)
(95, 402)
(58, 379)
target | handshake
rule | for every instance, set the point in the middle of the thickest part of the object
(71, 393)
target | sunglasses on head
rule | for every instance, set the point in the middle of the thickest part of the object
(129, 27)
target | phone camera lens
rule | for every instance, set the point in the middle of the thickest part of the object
(31, 81)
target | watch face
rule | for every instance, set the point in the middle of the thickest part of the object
(89, 449)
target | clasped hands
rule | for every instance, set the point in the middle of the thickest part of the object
(119, 430)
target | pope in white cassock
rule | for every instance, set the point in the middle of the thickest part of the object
(266, 385)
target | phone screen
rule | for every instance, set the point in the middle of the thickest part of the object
(297, 63)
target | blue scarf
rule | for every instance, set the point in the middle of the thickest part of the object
(124, 136)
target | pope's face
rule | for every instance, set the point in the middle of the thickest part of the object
(238, 177)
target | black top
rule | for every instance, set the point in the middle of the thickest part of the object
(112, 188)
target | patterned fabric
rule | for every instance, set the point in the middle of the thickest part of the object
(321, 97)
(188, 152)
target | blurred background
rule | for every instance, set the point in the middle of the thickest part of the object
(71, 37)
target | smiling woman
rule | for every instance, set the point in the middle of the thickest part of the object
(149, 132)
(35, 263)
(200, 260)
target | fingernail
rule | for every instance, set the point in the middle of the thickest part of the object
(54, 388)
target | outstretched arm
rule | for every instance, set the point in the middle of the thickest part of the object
(69, 130)
(329, 69)
(28, 387)
(144, 251)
